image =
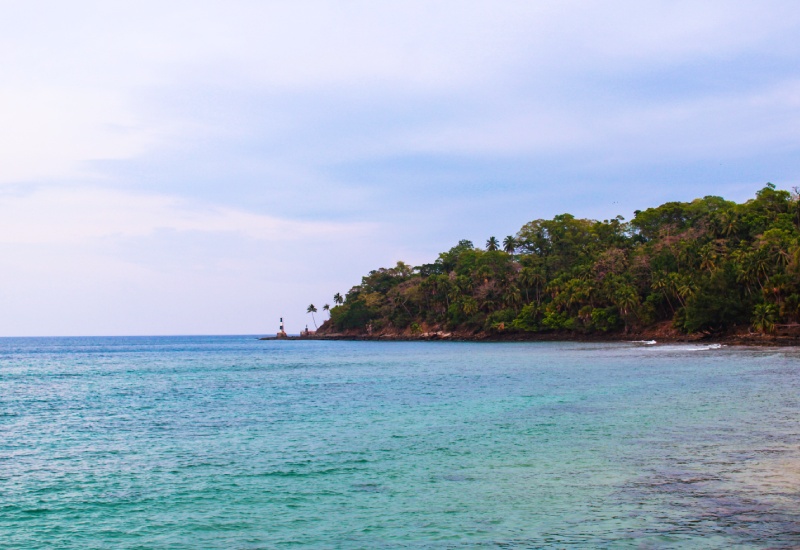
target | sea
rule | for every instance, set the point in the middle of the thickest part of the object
(234, 442)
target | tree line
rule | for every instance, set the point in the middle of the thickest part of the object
(709, 265)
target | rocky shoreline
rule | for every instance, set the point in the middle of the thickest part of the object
(769, 341)
(662, 333)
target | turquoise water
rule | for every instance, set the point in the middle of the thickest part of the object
(230, 442)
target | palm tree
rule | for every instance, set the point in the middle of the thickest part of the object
(679, 286)
(729, 222)
(469, 306)
(685, 290)
(761, 265)
(661, 283)
(454, 293)
(492, 243)
(312, 310)
(337, 299)
(327, 308)
(509, 244)
(626, 299)
(531, 277)
(512, 297)
(764, 317)
(708, 258)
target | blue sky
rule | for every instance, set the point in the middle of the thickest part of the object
(207, 167)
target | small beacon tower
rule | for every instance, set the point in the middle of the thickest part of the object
(281, 332)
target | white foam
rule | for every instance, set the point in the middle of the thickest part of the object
(691, 347)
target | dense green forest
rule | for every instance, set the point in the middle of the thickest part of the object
(709, 265)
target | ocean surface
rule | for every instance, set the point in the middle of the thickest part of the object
(231, 442)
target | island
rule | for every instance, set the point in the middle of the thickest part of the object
(708, 268)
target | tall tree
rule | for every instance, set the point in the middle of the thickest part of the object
(312, 310)
(492, 243)
(509, 244)
(626, 300)
(337, 299)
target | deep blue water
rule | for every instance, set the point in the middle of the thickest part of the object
(231, 442)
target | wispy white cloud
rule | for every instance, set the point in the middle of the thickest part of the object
(80, 79)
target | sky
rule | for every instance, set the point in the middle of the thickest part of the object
(196, 167)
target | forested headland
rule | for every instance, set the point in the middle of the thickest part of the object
(709, 266)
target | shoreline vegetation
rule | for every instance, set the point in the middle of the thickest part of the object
(730, 339)
(709, 269)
